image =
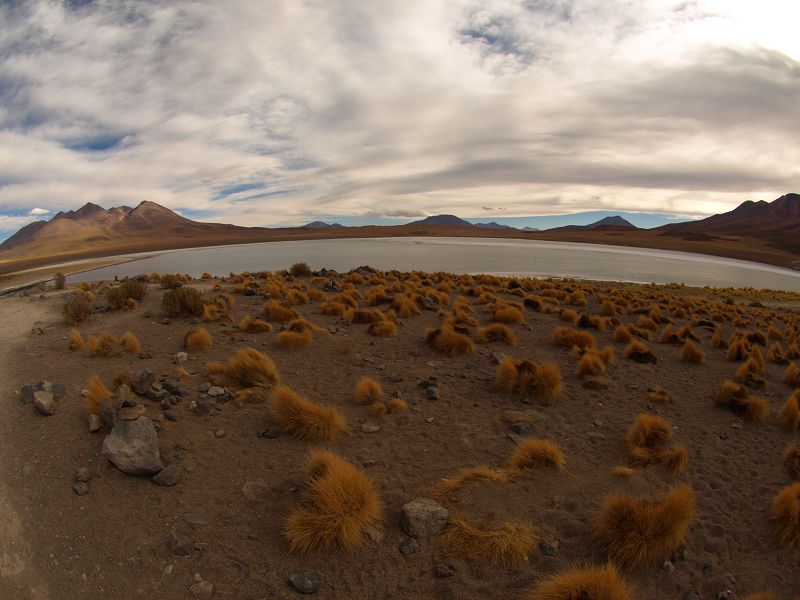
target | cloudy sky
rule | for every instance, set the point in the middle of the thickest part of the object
(280, 112)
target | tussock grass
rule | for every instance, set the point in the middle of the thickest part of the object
(749, 373)
(791, 460)
(130, 343)
(583, 583)
(785, 516)
(104, 345)
(406, 306)
(532, 454)
(789, 415)
(97, 393)
(733, 397)
(245, 369)
(692, 354)
(508, 545)
(75, 340)
(570, 337)
(444, 490)
(775, 354)
(368, 391)
(182, 301)
(497, 332)
(639, 352)
(382, 329)
(275, 311)
(524, 378)
(338, 507)
(333, 308)
(642, 531)
(569, 316)
(792, 375)
(447, 340)
(659, 394)
(647, 444)
(294, 340)
(197, 339)
(251, 325)
(304, 419)
(623, 335)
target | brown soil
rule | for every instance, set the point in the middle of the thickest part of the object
(237, 490)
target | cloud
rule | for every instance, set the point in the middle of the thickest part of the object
(264, 113)
(38, 212)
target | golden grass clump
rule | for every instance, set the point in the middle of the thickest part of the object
(569, 337)
(75, 340)
(792, 375)
(540, 381)
(275, 311)
(569, 316)
(532, 453)
(197, 339)
(791, 460)
(692, 354)
(251, 325)
(738, 349)
(406, 306)
(643, 531)
(508, 545)
(247, 368)
(587, 583)
(733, 397)
(749, 373)
(447, 340)
(130, 343)
(647, 444)
(775, 354)
(368, 391)
(443, 490)
(639, 352)
(338, 507)
(304, 419)
(103, 345)
(382, 329)
(623, 335)
(497, 332)
(785, 516)
(789, 415)
(293, 340)
(396, 405)
(182, 301)
(96, 395)
(659, 394)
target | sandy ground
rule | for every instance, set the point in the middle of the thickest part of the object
(238, 488)
(43, 274)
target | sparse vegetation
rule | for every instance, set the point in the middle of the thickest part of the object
(527, 379)
(785, 516)
(586, 583)
(96, 394)
(75, 340)
(508, 545)
(197, 339)
(368, 391)
(182, 301)
(247, 368)
(130, 343)
(75, 310)
(305, 419)
(532, 454)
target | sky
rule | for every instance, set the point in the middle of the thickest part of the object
(281, 112)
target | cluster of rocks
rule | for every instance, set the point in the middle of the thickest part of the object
(43, 396)
(431, 387)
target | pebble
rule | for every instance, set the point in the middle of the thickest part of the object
(80, 488)
(597, 423)
(409, 546)
(269, 434)
(549, 548)
(181, 544)
(83, 474)
(737, 424)
(429, 420)
(443, 570)
(180, 358)
(220, 433)
(306, 582)
(168, 476)
(202, 589)
(215, 390)
(171, 415)
(668, 566)
(522, 428)
(370, 427)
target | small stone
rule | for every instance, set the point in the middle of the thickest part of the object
(80, 488)
(56, 389)
(26, 394)
(145, 354)
(409, 546)
(142, 382)
(496, 357)
(220, 433)
(423, 517)
(180, 358)
(171, 415)
(724, 595)
(95, 422)
(306, 582)
(370, 427)
(549, 547)
(202, 590)
(44, 402)
(429, 420)
(443, 570)
(165, 321)
(168, 476)
(723, 436)
(522, 428)
(181, 544)
(271, 434)
(168, 569)
(216, 391)
(83, 474)
(129, 413)
(432, 393)
(668, 566)
(597, 423)
(737, 424)
(203, 388)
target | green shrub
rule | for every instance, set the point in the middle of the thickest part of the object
(300, 269)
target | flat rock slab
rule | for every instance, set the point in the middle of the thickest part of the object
(168, 476)
(132, 447)
(423, 517)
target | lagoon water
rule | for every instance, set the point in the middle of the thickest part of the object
(532, 258)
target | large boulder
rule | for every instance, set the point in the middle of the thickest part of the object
(132, 447)
(423, 517)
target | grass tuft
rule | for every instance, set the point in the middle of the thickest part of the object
(589, 583)
(304, 419)
(785, 516)
(96, 395)
(368, 391)
(532, 454)
(530, 380)
(508, 545)
(130, 342)
(75, 340)
(247, 368)
(197, 339)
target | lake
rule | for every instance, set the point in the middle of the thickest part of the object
(531, 258)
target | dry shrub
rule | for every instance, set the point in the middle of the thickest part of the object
(524, 378)
(792, 352)
(608, 309)
(659, 394)
(508, 545)
(382, 329)
(103, 345)
(497, 332)
(692, 354)
(304, 419)
(533, 453)
(785, 516)
(792, 375)
(197, 339)
(130, 342)
(738, 349)
(300, 269)
(379, 408)
(368, 391)
(647, 443)
(569, 337)
(622, 471)
(733, 397)
(568, 315)
(789, 415)
(275, 311)
(293, 340)
(118, 296)
(749, 373)
(247, 368)
(75, 340)
(333, 308)
(623, 335)
(447, 340)
(587, 583)
(365, 316)
(668, 336)
(396, 405)
(643, 531)
(75, 310)
(639, 352)
(480, 475)
(791, 460)
(96, 395)
(775, 354)
(182, 301)
(406, 306)
(251, 325)
(338, 507)
(716, 340)
(590, 364)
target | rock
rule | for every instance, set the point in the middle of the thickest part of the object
(202, 590)
(597, 382)
(145, 354)
(306, 582)
(171, 415)
(443, 570)
(26, 394)
(95, 422)
(180, 358)
(549, 547)
(597, 423)
(44, 402)
(111, 407)
(175, 388)
(496, 357)
(432, 393)
(156, 393)
(80, 488)
(181, 544)
(370, 427)
(215, 390)
(737, 423)
(423, 517)
(203, 388)
(142, 382)
(522, 428)
(168, 476)
(37, 331)
(130, 413)
(56, 389)
(132, 446)
(83, 474)
(220, 433)
(409, 546)
(270, 434)
(429, 419)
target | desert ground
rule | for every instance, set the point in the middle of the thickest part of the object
(552, 418)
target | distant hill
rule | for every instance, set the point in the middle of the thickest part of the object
(493, 225)
(530, 229)
(442, 220)
(320, 225)
(615, 221)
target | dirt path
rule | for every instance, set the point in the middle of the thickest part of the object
(18, 573)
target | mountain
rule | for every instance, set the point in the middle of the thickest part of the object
(530, 229)
(493, 225)
(775, 223)
(615, 221)
(320, 225)
(442, 220)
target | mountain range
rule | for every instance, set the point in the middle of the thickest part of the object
(764, 231)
